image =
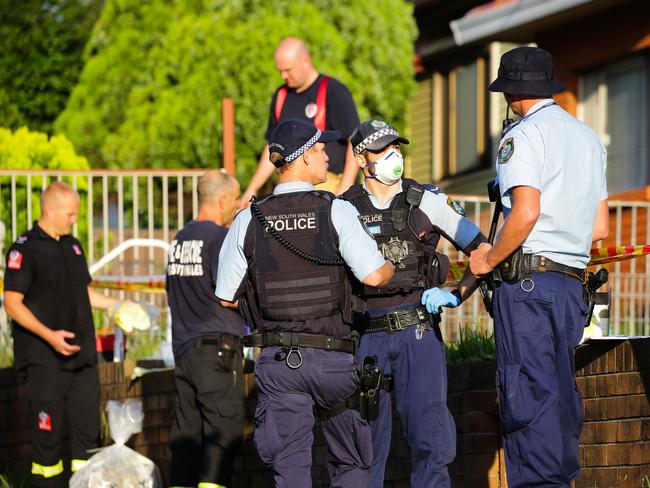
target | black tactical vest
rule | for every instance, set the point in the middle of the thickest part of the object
(417, 265)
(286, 291)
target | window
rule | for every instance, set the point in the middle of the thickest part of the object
(614, 102)
(449, 122)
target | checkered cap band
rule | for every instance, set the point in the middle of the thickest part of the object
(298, 152)
(358, 149)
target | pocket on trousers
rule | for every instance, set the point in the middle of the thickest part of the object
(444, 434)
(230, 408)
(363, 437)
(514, 402)
(339, 365)
(264, 447)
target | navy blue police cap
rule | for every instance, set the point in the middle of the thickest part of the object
(526, 71)
(293, 137)
(374, 134)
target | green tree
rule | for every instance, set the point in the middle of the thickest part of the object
(22, 150)
(41, 57)
(156, 72)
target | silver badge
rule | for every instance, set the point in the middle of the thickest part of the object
(395, 251)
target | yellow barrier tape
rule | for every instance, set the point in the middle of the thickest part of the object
(599, 256)
(156, 283)
(146, 284)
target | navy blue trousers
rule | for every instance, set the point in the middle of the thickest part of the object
(284, 418)
(541, 409)
(419, 375)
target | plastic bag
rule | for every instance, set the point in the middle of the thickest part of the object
(131, 316)
(118, 466)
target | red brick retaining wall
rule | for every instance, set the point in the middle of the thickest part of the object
(613, 377)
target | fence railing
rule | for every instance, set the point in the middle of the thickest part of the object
(120, 205)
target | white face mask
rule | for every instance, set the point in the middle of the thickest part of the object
(389, 168)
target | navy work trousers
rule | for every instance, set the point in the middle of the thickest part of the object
(419, 378)
(538, 323)
(209, 417)
(284, 418)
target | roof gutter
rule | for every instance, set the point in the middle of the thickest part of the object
(482, 25)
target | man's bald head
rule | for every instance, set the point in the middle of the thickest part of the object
(292, 47)
(218, 197)
(59, 209)
(213, 183)
(293, 61)
(57, 192)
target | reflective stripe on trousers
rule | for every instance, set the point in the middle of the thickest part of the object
(47, 471)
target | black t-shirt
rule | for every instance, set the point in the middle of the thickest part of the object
(341, 115)
(54, 278)
(192, 265)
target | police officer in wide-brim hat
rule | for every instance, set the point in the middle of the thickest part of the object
(526, 70)
(552, 185)
(286, 260)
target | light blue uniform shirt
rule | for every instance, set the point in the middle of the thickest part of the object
(358, 249)
(552, 151)
(442, 212)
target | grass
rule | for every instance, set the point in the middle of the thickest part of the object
(16, 481)
(646, 482)
(473, 346)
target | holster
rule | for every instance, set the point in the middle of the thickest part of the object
(509, 270)
(365, 398)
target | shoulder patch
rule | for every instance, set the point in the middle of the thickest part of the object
(506, 150)
(21, 240)
(456, 207)
(15, 260)
(432, 188)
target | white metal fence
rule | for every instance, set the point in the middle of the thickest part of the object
(153, 204)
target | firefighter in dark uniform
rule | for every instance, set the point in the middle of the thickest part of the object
(286, 259)
(48, 298)
(407, 219)
(209, 415)
(551, 170)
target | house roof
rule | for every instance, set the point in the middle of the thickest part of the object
(519, 19)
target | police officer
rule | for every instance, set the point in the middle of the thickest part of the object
(407, 219)
(551, 173)
(286, 259)
(208, 419)
(48, 298)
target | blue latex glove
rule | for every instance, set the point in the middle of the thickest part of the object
(434, 298)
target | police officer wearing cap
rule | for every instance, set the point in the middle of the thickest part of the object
(285, 262)
(551, 173)
(400, 325)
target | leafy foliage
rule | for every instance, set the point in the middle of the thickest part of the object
(474, 345)
(156, 72)
(24, 149)
(41, 57)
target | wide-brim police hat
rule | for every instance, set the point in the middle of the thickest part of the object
(293, 137)
(526, 70)
(373, 135)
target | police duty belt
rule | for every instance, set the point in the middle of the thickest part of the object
(398, 320)
(293, 340)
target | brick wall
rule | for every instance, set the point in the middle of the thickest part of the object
(613, 376)
(614, 379)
